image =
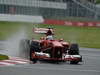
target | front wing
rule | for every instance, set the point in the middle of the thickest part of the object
(46, 56)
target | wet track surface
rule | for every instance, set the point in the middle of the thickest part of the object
(89, 66)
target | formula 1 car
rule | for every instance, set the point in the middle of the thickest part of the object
(52, 50)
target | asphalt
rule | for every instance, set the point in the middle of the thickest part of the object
(89, 66)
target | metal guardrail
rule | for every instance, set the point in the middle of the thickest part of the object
(35, 3)
(49, 9)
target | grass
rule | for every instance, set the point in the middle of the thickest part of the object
(97, 1)
(3, 57)
(9, 28)
(85, 36)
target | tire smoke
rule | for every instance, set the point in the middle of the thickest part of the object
(12, 43)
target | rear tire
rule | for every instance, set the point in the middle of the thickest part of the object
(74, 49)
(35, 46)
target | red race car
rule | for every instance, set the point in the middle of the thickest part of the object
(53, 50)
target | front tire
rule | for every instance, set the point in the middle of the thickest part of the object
(34, 47)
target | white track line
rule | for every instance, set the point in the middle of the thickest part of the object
(14, 61)
(6, 64)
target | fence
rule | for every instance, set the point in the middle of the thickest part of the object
(49, 9)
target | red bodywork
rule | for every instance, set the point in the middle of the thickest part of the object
(57, 51)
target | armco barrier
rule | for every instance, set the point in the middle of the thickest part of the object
(21, 18)
(72, 23)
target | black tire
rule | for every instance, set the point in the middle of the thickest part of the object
(34, 60)
(34, 47)
(74, 62)
(74, 49)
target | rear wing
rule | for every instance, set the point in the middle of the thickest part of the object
(40, 30)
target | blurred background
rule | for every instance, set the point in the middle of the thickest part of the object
(50, 9)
